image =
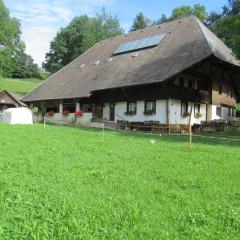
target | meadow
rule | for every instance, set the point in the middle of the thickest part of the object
(21, 86)
(75, 183)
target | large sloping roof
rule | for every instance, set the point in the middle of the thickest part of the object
(186, 43)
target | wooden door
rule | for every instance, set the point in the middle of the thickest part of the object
(98, 111)
(112, 112)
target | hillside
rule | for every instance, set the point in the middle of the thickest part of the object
(20, 86)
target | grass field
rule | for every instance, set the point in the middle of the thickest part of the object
(72, 183)
(21, 86)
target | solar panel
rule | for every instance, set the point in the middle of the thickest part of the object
(140, 44)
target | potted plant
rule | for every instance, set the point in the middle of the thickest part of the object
(198, 115)
(50, 113)
(65, 112)
(186, 114)
(78, 113)
(149, 112)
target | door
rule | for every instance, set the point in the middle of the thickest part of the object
(112, 112)
(98, 111)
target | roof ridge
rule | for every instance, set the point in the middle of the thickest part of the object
(149, 27)
(217, 47)
(199, 23)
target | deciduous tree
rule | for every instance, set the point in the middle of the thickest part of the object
(82, 33)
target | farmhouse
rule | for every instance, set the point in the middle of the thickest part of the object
(10, 100)
(155, 74)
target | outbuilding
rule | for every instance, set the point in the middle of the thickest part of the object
(17, 116)
(9, 100)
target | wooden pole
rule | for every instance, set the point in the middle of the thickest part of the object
(44, 122)
(103, 131)
(190, 127)
(168, 116)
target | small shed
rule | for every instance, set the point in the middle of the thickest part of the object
(9, 100)
(17, 116)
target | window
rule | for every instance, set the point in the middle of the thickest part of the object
(196, 84)
(230, 93)
(132, 107)
(220, 90)
(229, 111)
(150, 107)
(190, 83)
(184, 108)
(219, 111)
(181, 82)
(233, 112)
(197, 108)
(176, 81)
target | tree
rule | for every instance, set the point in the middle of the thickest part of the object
(162, 19)
(140, 22)
(13, 61)
(81, 33)
(197, 10)
(226, 25)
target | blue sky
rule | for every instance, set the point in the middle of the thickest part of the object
(41, 19)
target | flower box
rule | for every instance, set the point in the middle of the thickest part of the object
(78, 113)
(65, 113)
(149, 112)
(186, 114)
(198, 115)
(130, 113)
(50, 113)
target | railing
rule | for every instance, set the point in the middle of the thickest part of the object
(189, 94)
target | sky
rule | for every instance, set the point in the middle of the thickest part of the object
(41, 19)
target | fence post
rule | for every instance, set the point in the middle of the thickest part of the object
(190, 128)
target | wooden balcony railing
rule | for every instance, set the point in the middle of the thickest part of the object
(189, 94)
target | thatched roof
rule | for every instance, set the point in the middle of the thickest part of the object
(186, 43)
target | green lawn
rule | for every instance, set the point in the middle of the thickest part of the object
(21, 86)
(73, 183)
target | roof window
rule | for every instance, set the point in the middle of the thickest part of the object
(97, 62)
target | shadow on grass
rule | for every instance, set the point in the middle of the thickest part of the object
(205, 140)
(184, 139)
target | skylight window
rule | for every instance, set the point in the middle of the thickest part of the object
(97, 62)
(135, 54)
(139, 44)
(82, 65)
(109, 59)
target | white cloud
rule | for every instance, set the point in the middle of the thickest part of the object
(41, 19)
(37, 41)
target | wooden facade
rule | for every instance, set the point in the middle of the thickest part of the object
(9, 100)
